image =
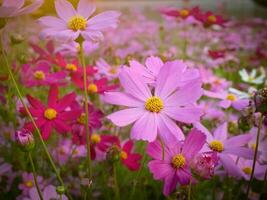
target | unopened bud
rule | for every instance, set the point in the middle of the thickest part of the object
(25, 140)
(260, 100)
(60, 190)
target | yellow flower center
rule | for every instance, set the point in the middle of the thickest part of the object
(123, 155)
(29, 184)
(247, 170)
(92, 88)
(231, 97)
(253, 146)
(216, 145)
(95, 138)
(76, 152)
(81, 119)
(71, 67)
(154, 104)
(50, 113)
(39, 75)
(77, 23)
(212, 18)
(178, 161)
(62, 151)
(184, 13)
(113, 71)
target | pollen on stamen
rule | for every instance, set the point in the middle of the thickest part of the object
(247, 170)
(216, 145)
(178, 161)
(50, 113)
(77, 23)
(154, 104)
(39, 75)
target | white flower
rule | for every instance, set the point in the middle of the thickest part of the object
(252, 76)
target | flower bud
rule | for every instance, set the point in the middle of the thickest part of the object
(25, 140)
(60, 190)
(260, 100)
(204, 164)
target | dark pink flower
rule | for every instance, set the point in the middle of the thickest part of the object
(55, 114)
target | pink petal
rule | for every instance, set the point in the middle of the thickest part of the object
(160, 169)
(127, 147)
(65, 101)
(154, 150)
(134, 85)
(103, 21)
(221, 132)
(169, 132)
(240, 152)
(126, 117)
(229, 165)
(70, 115)
(13, 3)
(193, 143)
(237, 141)
(35, 103)
(46, 130)
(168, 79)
(64, 9)
(122, 99)
(85, 8)
(241, 104)
(154, 64)
(30, 8)
(94, 36)
(170, 183)
(225, 103)
(184, 114)
(145, 128)
(52, 96)
(185, 95)
(204, 130)
(53, 22)
(61, 127)
(184, 176)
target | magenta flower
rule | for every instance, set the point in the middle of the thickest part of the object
(226, 147)
(155, 112)
(73, 23)
(41, 75)
(175, 167)
(14, 8)
(54, 115)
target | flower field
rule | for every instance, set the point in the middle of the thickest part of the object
(164, 102)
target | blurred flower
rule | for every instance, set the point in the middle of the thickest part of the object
(73, 23)
(54, 115)
(251, 77)
(25, 139)
(155, 114)
(49, 192)
(174, 167)
(28, 183)
(14, 8)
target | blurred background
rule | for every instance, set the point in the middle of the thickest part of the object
(237, 8)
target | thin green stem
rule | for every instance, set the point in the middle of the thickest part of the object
(88, 155)
(138, 175)
(116, 185)
(32, 120)
(189, 191)
(35, 176)
(255, 154)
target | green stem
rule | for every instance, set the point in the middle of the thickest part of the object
(138, 175)
(35, 177)
(189, 191)
(116, 185)
(32, 120)
(88, 155)
(255, 154)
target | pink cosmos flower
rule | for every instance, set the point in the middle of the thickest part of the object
(14, 8)
(73, 23)
(155, 112)
(246, 167)
(175, 166)
(153, 65)
(28, 182)
(109, 71)
(54, 115)
(226, 147)
(228, 99)
(129, 159)
(49, 192)
(41, 75)
(204, 164)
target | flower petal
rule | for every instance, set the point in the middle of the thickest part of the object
(221, 132)
(160, 169)
(122, 99)
(65, 9)
(85, 8)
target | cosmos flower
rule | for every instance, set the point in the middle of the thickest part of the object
(41, 75)
(155, 113)
(14, 8)
(226, 147)
(73, 23)
(175, 166)
(28, 183)
(252, 76)
(107, 70)
(49, 192)
(54, 115)
(246, 167)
